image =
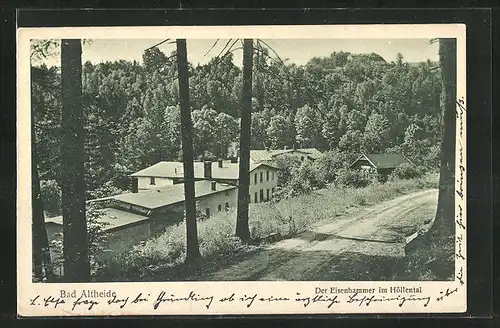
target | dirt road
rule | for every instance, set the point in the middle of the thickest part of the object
(362, 245)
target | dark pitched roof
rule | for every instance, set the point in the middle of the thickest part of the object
(160, 197)
(384, 161)
(111, 217)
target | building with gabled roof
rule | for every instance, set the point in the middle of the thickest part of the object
(383, 164)
(159, 200)
(128, 219)
(171, 173)
(263, 176)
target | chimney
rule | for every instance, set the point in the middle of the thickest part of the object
(214, 185)
(220, 162)
(207, 172)
(135, 185)
(285, 148)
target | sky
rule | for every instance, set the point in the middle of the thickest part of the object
(296, 51)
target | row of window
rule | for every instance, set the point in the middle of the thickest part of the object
(153, 182)
(219, 208)
(255, 176)
(269, 193)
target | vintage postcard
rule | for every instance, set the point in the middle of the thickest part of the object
(239, 170)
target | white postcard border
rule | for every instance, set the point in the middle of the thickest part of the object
(441, 297)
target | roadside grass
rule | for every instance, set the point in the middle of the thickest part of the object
(161, 258)
(434, 260)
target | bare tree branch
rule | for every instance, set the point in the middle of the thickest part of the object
(225, 46)
(213, 46)
(156, 45)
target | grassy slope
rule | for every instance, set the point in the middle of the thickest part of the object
(433, 259)
(161, 257)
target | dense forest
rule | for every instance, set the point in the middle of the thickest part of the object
(345, 102)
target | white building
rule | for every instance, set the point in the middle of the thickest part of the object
(128, 219)
(263, 176)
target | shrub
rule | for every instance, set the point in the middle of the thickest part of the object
(407, 171)
(303, 179)
(352, 178)
(360, 199)
(286, 164)
(300, 178)
(330, 163)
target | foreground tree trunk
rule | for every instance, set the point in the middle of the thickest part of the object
(242, 228)
(192, 247)
(445, 215)
(42, 264)
(75, 240)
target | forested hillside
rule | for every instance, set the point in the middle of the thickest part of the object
(345, 102)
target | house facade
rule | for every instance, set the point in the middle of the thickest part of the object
(263, 183)
(159, 175)
(382, 164)
(263, 176)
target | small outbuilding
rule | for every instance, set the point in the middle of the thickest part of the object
(382, 164)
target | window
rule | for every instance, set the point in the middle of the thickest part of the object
(219, 208)
(267, 194)
(272, 191)
(227, 206)
(261, 175)
(226, 193)
(262, 195)
(255, 178)
(207, 212)
(152, 181)
(302, 158)
(255, 198)
(267, 175)
(249, 198)
(273, 175)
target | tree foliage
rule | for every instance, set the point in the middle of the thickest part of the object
(343, 102)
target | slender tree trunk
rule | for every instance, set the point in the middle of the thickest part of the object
(75, 240)
(242, 228)
(42, 264)
(37, 224)
(192, 247)
(445, 215)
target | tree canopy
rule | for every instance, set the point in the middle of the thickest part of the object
(351, 102)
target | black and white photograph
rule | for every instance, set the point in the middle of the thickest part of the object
(245, 159)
